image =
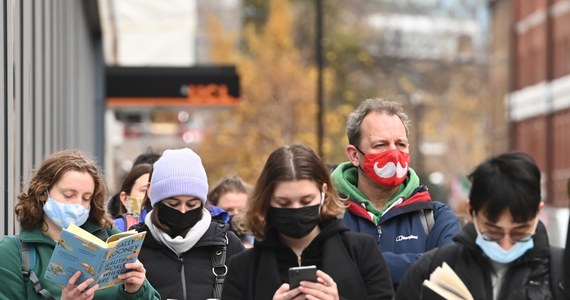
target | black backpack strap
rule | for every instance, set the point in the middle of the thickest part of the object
(28, 274)
(427, 219)
(219, 267)
(556, 272)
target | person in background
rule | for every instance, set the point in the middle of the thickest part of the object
(114, 203)
(67, 188)
(294, 215)
(131, 196)
(230, 194)
(504, 252)
(384, 195)
(184, 247)
(146, 158)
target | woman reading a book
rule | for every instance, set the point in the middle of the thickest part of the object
(185, 248)
(293, 214)
(67, 188)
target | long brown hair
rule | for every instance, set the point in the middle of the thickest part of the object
(289, 163)
(29, 209)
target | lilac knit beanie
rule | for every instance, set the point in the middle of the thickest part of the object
(178, 172)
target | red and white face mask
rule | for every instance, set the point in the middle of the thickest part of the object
(388, 168)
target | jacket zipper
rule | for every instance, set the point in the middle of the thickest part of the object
(299, 260)
(183, 275)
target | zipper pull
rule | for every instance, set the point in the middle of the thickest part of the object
(299, 260)
(379, 231)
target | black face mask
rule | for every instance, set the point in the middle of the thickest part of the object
(294, 222)
(178, 221)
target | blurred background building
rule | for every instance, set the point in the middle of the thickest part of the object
(530, 83)
(51, 85)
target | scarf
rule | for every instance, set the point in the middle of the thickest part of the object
(179, 244)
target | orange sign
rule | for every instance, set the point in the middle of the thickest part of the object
(196, 94)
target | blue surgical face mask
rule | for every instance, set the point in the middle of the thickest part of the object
(64, 214)
(496, 253)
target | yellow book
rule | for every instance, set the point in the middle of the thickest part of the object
(79, 250)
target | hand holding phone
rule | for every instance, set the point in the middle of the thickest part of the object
(304, 273)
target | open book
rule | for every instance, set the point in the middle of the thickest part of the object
(443, 283)
(79, 250)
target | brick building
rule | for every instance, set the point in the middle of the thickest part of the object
(530, 94)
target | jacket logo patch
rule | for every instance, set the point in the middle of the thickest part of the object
(405, 238)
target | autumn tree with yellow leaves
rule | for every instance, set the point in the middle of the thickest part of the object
(277, 104)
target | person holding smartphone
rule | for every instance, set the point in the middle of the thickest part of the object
(294, 215)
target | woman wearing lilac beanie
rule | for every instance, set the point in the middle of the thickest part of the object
(186, 250)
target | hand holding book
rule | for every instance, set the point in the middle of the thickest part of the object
(104, 261)
(444, 283)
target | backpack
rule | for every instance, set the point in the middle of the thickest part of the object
(28, 255)
(129, 220)
(219, 267)
(557, 272)
(427, 219)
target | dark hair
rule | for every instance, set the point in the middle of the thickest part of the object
(289, 163)
(136, 172)
(29, 209)
(378, 105)
(146, 158)
(507, 181)
(114, 206)
(228, 184)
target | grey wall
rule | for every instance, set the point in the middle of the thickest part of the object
(51, 85)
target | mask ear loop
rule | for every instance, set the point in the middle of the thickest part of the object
(322, 201)
(475, 223)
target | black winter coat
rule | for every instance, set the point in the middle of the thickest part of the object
(189, 276)
(351, 259)
(528, 277)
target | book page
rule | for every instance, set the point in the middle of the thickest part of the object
(82, 233)
(114, 239)
(437, 292)
(445, 279)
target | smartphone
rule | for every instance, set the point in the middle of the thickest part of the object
(304, 273)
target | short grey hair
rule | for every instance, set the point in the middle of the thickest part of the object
(377, 105)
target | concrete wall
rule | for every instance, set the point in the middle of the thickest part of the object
(51, 84)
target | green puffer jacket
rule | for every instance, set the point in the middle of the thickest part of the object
(12, 282)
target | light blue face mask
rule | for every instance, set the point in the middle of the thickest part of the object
(496, 253)
(64, 214)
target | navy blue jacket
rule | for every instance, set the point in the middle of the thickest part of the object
(398, 230)
(400, 233)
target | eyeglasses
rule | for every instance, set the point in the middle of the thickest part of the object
(514, 236)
